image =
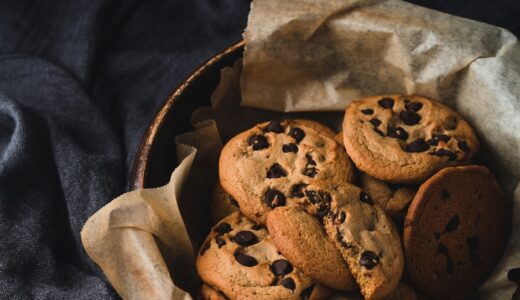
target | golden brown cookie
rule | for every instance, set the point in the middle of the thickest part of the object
(266, 166)
(405, 139)
(300, 237)
(455, 231)
(402, 292)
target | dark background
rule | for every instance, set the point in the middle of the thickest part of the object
(79, 83)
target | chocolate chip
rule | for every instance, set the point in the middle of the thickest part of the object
(204, 248)
(306, 293)
(386, 102)
(452, 225)
(419, 145)
(375, 122)
(514, 275)
(297, 134)
(316, 197)
(292, 147)
(340, 218)
(379, 132)
(245, 260)
(365, 198)
(220, 242)
(322, 210)
(257, 227)
(367, 111)
(415, 106)
(281, 267)
(274, 126)
(233, 202)
(258, 142)
(223, 228)
(474, 249)
(445, 194)
(245, 238)
(436, 138)
(310, 161)
(394, 186)
(297, 190)
(276, 171)
(397, 133)
(288, 283)
(409, 117)
(310, 172)
(369, 259)
(463, 146)
(444, 152)
(274, 198)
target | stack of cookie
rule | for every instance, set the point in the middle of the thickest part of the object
(296, 220)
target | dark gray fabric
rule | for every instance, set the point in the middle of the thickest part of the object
(79, 82)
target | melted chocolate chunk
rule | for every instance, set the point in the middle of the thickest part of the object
(317, 197)
(220, 242)
(369, 259)
(436, 138)
(322, 210)
(297, 134)
(257, 227)
(204, 248)
(223, 228)
(409, 117)
(258, 142)
(281, 267)
(463, 146)
(474, 249)
(245, 260)
(415, 106)
(444, 152)
(306, 293)
(233, 202)
(310, 172)
(310, 161)
(452, 225)
(274, 198)
(245, 238)
(274, 126)
(288, 283)
(276, 171)
(386, 103)
(292, 147)
(375, 122)
(378, 131)
(297, 190)
(445, 194)
(365, 198)
(367, 111)
(419, 145)
(397, 133)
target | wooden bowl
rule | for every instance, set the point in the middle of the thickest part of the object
(156, 157)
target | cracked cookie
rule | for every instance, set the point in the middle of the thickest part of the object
(366, 237)
(300, 237)
(266, 166)
(240, 260)
(455, 231)
(405, 139)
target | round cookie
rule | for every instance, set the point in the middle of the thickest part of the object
(240, 260)
(366, 237)
(222, 204)
(405, 139)
(300, 237)
(393, 198)
(266, 166)
(455, 231)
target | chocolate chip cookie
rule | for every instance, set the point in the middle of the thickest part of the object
(240, 260)
(405, 139)
(222, 204)
(367, 239)
(455, 231)
(402, 292)
(266, 166)
(300, 237)
(393, 198)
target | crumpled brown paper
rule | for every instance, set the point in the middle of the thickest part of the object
(312, 56)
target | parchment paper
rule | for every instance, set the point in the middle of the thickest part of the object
(316, 56)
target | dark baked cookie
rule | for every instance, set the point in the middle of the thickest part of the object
(455, 231)
(405, 139)
(300, 237)
(364, 234)
(240, 260)
(266, 166)
(222, 204)
(393, 198)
